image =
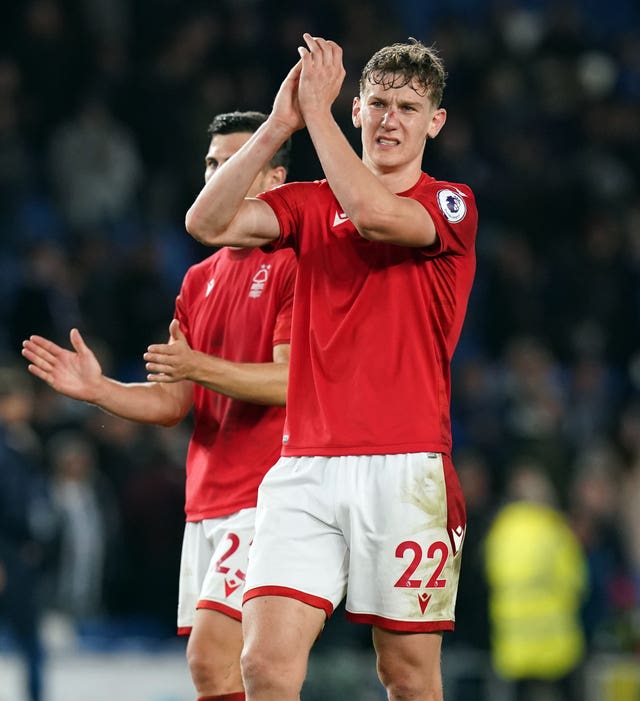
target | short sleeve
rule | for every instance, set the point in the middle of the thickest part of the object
(455, 215)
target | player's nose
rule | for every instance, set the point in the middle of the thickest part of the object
(389, 120)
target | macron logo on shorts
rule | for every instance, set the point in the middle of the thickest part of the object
(457, 536)
(233, 583)
(423, 600)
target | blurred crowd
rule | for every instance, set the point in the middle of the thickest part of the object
(104, 106)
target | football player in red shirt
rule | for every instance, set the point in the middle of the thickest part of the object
(227, 358)
(365, 502)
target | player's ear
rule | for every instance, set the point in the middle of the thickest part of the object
(355, 113)
(438, 119)
(277, 176)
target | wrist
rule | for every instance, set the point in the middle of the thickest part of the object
(322, 116)
(99, 391)
(277, 131)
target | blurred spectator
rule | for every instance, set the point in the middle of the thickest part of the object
(595, 397)
(27, 525)
(537, 577)
(595, 512)
(471, 634)
(535, 407)
(471, 606)
(45, 299)
(142, 301)
(53, 57)
(153, 517)
(516, 284)
(88, 523)
(96, 170)
(629, 439)
(16, 165)
(596, 296)
(477, 420)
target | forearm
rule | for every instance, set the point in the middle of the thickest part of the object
(357, 189)
(376, 211)
(210, 219)
(147, 402)
(258, 383)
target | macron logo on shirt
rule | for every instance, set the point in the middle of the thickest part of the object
(339, 218)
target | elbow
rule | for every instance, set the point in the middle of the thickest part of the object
(367, 223)
(193, 225)
(170, 421)
(175, 413)
(369, 234)
(200, 228)
(373, 219)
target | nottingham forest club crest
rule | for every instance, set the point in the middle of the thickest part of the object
(259, 280)
(452, 205)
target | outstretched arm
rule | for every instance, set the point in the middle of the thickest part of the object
(259, 383)
(221, 214)
(77, 374)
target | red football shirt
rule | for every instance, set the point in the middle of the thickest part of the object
(375, 325)
(237, 305)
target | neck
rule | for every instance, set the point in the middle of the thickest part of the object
(394, 179)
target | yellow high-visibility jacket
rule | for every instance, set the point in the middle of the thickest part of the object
(536, 573)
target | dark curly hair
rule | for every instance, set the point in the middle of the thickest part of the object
(410, 63)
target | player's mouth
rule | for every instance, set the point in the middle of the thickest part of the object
(382, 141)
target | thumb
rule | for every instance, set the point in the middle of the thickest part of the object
(175, 331)
(77, 341)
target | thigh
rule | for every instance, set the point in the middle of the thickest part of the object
(278, 635)
(217, 638)
(405, 522)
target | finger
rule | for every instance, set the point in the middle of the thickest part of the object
(34, 352)
(40, 373)
(77, 341)
(159, 368)
(315, 51)
(159, 377)
(308, 40)
(324, 50)
(158, 350)
(158, 359)
(336, 51)
(45, 344)
(36, 360)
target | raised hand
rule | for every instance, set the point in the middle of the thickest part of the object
(321, 75)
(172, 361)
(285, 106)
(76, 373)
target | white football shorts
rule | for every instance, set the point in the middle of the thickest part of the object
(213, 566)
(384, 530)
